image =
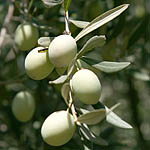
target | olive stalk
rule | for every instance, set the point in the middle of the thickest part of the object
(71, 105)
(67, 30)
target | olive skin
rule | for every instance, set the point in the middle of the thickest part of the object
(23, 106)
(86, 86)
(37, 64)
(26, 36)
(58, 128)
(62, 50)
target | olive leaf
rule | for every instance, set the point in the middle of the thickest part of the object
(144, 76)
(114, 119)
(79, 24)
(66, 4)
(84, 129)
(92, 43)
(44, 41)
(92, 117)
(71, 67)
(101, 20)
(65, 92)
(106, 66)
(52, 3)
(61, 71)
(60, 80)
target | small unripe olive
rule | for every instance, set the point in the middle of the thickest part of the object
(37, 64)
(62, 50)
(86, 86)
(26, 36)
(58, 128)
(23, 106)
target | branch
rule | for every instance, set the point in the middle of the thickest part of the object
(6, 22)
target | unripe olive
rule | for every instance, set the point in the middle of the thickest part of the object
(23, 106)
(86, 86)
(26, 36)
(37, 64)
(62, 50)
(58, 128)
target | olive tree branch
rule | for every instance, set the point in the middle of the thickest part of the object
(6, 22)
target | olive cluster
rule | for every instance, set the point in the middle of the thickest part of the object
(59, 127)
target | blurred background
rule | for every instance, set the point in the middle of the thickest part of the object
(128, 39)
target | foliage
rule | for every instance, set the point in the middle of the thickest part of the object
(119, 44)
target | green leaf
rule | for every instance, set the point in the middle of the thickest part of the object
(79, 24)
(92, 117)
(92, 43)
(44, 41)
(138, 31)
(91, 137)
(102, 19)
(114, 119)
(65, 92)
(52, 3)
(106, 66)
(61, 71)
(66, 4)
(60, 80)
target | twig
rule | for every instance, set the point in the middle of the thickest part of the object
(6, 22)
(11, 82)
(67, 31)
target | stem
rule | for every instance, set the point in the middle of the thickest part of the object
(67, 31)
(6, 22)
(71, 105)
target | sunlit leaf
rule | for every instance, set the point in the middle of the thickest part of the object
(91, 137)
(101, 20)
(60, 80)
(52, 3)
(92, 117)
(79, 24)
(114, 119)
(44, 41)
(106, 66)
(92, 43)
(66, 4)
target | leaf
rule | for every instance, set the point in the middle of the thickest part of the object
(92, 117)
(61, 71)
(44, 41)
(138, 31)
(92, 43)
(71, 67)
(66, 4)
(65, 92)
(106, 66)
(79, 24)
(143, 76)
(91, 137)
(52, 3)
(101, 20)
(114, 119)
(60, 80)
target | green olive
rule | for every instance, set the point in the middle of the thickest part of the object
(62, 50)
(23, 106)
(86, 86)
(37, 64)
(26, 36)
(58, 128)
